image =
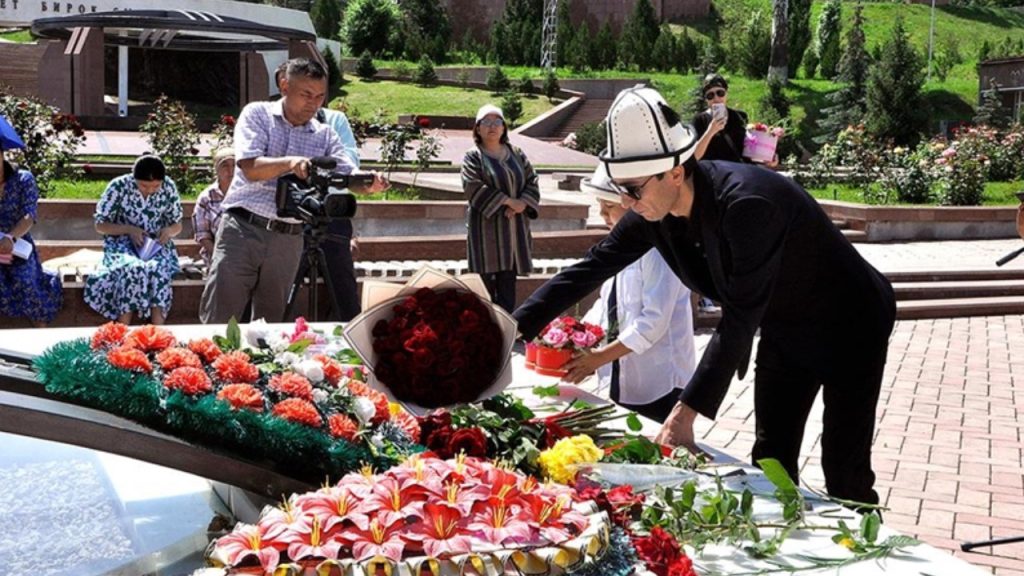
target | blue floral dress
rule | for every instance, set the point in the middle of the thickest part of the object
(124, 282)
(26, 290)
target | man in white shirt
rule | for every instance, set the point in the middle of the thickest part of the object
(650, 354)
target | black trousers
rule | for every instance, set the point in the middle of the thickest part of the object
(338, 253)
(657, 410)
(785, 386)
(502, 288)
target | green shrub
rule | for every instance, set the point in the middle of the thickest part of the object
(512, 106)
(172, 133)
(51, 138)
(591, 138)
(497, 81)
(425, 74)
(365, 68)
(525, 85)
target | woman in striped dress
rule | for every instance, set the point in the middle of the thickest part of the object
(503, 195)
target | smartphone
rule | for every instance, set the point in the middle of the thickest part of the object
(718, 110)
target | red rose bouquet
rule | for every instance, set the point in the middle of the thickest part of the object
(433, 342)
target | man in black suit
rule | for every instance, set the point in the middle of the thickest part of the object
(759, 244)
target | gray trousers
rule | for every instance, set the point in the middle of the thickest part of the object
(249, 262)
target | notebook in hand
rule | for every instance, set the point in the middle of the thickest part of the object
(22, 249)
(148, 249)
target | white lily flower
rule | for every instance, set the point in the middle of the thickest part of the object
(364, 409)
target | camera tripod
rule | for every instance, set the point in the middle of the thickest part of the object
(312, 263)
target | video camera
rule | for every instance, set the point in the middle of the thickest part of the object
(322, 197)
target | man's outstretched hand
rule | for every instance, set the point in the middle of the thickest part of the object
(678, 429)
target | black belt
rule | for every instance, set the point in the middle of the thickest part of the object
(272, 225)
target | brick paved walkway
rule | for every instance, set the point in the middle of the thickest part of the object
(949, 440)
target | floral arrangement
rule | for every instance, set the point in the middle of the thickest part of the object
(438, 348)
(295, 399)
(427, 515)
(568, 332)
(559, 462)
(776, 131)
(761, 141)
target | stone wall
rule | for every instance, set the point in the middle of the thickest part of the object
(477, 16)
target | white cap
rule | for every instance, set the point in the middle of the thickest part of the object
(488, 109)
(600, 185)
(645, 135)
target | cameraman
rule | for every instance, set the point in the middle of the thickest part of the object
(256, 254)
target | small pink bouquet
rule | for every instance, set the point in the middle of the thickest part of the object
(554, 347)
(761, 140)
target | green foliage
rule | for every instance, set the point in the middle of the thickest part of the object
(551, 86)
(639, 35)
(427, 29)
(946, 56)
(512, 106)
(51, 138)
(810, 63)
(326, 16)
(425, 74)
(849, 103)
(991, 111)
(497, 81)
(401, 70)
(462, 77)
(664, 57)
(365, 68)
(826, 40)
(369, 25)
(565, 32)
(578, 55)
(896, 111)
(774, 106)
(525, 85)
(754, 46)
(605, 49)
(591, 138)
(334, 76)
(393, 146)
(516, 37)
(799, 36)
(686, 53)
(172, 134)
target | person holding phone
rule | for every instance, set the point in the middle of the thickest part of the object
(722, 129)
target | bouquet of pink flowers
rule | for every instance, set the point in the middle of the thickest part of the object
(761, 141)
(556, 343)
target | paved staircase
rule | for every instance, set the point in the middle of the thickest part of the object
(592, 110)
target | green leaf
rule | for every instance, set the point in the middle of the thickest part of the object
(869, 525)
(299, 346)
(747, 504)
(633, 422)
(778, 476)
(546, 391)
(689, 493)
(339, 330)
(234, 334)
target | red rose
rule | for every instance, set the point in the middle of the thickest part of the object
(87, 168)
(468, 441)
(423, 122)
(683, 566)
(438, 441)
(436, 420)
(658, 551)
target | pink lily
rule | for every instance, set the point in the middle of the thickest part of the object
(376, 538)
(557, 520)
(498, 523)
(313, 541)
(464, 496)
(287, 517)
(333, 505)
(249, 540)
(359, 483)
(398, 502)
(442, 531)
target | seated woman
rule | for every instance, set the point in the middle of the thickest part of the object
(26, 290)
(135, 211)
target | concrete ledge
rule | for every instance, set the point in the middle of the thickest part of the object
(904, 223)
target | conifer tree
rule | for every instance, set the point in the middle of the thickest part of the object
(551, 86)
(326, 16)
(826, 40)
(639, 35)
(565, 32)
(497, 81)
(512, 107)
(896, 111)
(365, 68)
(991, 111)
(686, 53)
(799, 32)
(605, 48)
(664, 55)
(849, 102)
(425, 73)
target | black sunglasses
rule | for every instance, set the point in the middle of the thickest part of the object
(712, 94)
(633, 190)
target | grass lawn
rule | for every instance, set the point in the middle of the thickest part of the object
(93, 189)
(19, 36)
(996, 193)
(363, 98)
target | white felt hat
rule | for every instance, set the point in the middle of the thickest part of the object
(645, 135)
(600, 185)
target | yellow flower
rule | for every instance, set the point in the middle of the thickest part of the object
(558, 462)
(847, 543)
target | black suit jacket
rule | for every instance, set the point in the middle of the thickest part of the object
(760, 245)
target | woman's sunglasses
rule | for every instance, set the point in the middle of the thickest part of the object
(491, 122)
(712, 94)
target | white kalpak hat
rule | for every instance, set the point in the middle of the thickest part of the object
(600, 186)
(645, 135)
(488, 109)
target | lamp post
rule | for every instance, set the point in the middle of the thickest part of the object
(931, 43)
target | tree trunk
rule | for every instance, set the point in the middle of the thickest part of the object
(778, 68)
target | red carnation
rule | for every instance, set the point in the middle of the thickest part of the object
(333, 369)
(206, 349)
(299, 411)
(129, 359)
(242, 396)
(189, 380)
(381, 410)
(468, 441)
(109, 335)
(149, 338)
(343, 427)
(177, 358)
(683, 566)
(234, 367)
(408, 424)
(292, 384)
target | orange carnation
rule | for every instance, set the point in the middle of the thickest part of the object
(129, 359)
(234, 367)
(149, 338)
(343, 427)
(332, 368)
(189, 380)
(407, 423)
(206, 349)
(177, 358)
(380, 401)
(242, 396)
(292, 384)
(109, 335)
(298, 410)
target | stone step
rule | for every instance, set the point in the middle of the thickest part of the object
(959, 307)
(941, 290)
(854, 235)
(980, 274)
